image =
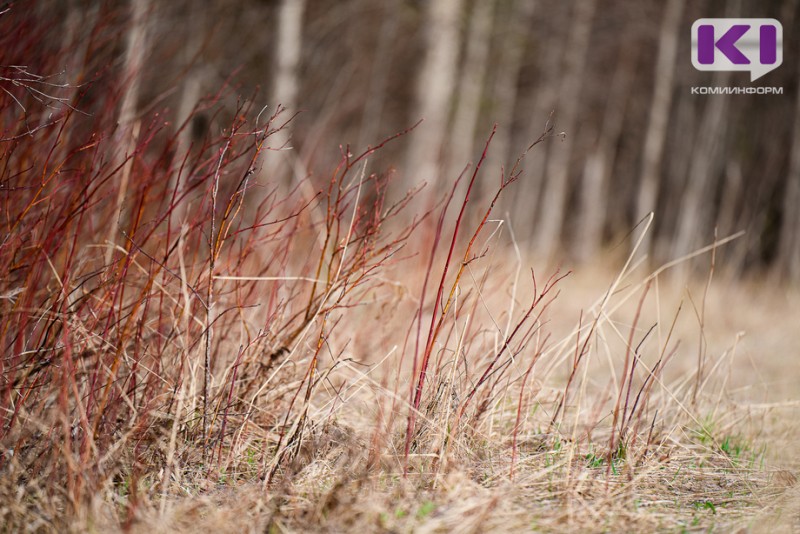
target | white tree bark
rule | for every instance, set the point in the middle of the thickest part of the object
(278, 162)
(128, 127)
(290, 42)
(434, 91)
(134, 61)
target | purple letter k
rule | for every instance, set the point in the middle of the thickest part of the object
(726, 44)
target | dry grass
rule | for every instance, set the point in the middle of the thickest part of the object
(204, 349)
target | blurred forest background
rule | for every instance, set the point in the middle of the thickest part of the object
(616, 75)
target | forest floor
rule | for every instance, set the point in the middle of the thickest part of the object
(720, 459)
(727, 464)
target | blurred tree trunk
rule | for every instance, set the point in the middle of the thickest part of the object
(538, 106)
(128, 129)
(434, 91)
(728, 220)
(381, 66)
(600, 162)
(697, 204)
(548, 232)
(278, 161)
(515, 28)
(190, 94)
(685, 121)
(76, 41)
(134, 61)
(789, 257)
(696, 212)
(470, 86)
(649, 178)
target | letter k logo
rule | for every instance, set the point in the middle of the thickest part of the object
(726, 44)
(753, 45)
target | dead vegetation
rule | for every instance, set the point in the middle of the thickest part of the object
(192, 348)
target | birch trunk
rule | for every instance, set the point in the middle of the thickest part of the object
(128, 128)
(434, 91)
(278, 161)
